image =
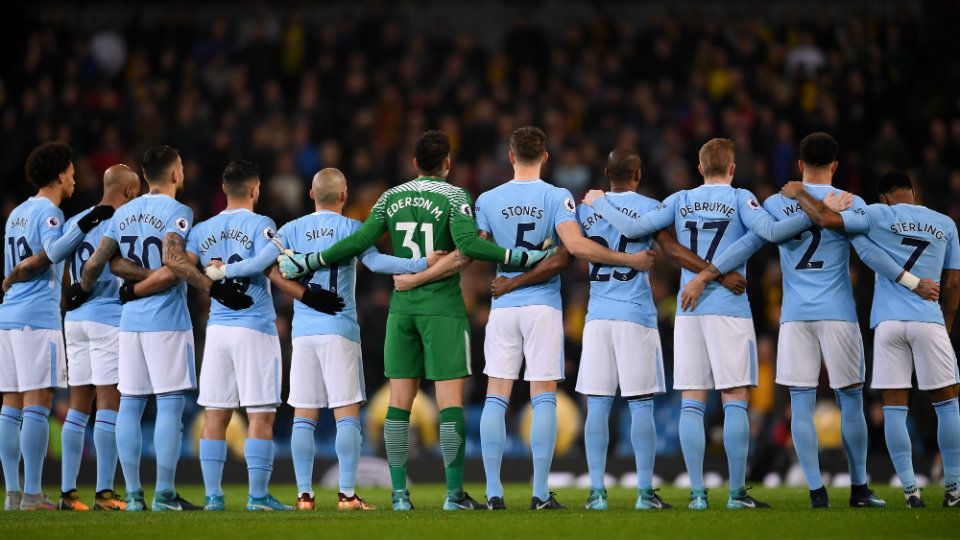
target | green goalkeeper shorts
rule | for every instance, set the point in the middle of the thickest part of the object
(434, 347)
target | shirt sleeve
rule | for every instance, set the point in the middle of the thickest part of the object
(855, 220)
(192, 244)
(738, 252)
(564, 208)
(110, 231)
(483, 223)
(951, 260)
(180, 222)
(758, 220)
(650, 222)
(364, 237)
(61, 248)
(388, 264)
(875, 257)
(266, 252)
(463, 230)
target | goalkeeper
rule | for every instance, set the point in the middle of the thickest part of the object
(428, 334)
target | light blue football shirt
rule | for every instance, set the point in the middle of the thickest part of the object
(523, 214)
(314, 233)
(34, 225)
(232, 236)
(708, 220)
(814, 264)
(925, 244)
(616, 293)
(103, 305)
(139, 228)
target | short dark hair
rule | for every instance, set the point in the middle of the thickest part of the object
(528, 144)
(432, 148)
(622, 164)
(157, 160)
(892, 181)
(238, 174)
(46, 162)
(819, 149)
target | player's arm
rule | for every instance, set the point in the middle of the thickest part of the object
(27, 268)
(59, 247)
(97, 262)
(297, 265)
(761, 222)
(317, 298)
(259, 263)
(176, 258)
(544, 271)
(834, 212)
(950, 297)
(447, 266)
(645, 225)
(157, 281)
(582, 247)
(128, 270)
(388, 264)
(689, 260)
(883, 264)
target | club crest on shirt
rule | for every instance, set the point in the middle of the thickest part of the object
(182, 224)
(53, 222)
(753, 204)
(466, 210)
(269, 233)
(569, 205)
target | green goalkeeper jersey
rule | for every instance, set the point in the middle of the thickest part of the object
(422, 215)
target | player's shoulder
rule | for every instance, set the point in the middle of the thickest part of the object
(76, 217)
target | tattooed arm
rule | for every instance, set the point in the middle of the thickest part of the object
(97, 262)
(128, 270)
(181, 264)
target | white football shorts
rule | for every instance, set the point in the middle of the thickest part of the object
(32, 359)
(241, 368)
(902, 347)
(620, 353)
(803, 343)
(714, 352)
(326, 371)
(531, 333)
(93, 353)
(157, 362)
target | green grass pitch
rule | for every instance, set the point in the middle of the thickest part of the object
(790, 517)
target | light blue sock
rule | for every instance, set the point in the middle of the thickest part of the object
(736, 442)
(596, 437)
(167, 435)
(130, 439)
(71, 442)
(303, 450)
(898, 445)
(854, 431)
(259, 454)
(34, 436)
(347, 445)
(493, 436)
(105, 442)
(948, 438)
(693, 441)
(643, 435)
(543, 438)
(213, 454)
(10, 420)
(803, 401)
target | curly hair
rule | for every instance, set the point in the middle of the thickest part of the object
(432, 148)
(46, 162)
(819, 149)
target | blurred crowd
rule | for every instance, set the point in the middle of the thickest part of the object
(298, 90)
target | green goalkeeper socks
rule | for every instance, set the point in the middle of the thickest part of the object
(452, 442)
(396, 439)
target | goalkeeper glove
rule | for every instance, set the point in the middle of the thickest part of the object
(296, 265)
(519, 258)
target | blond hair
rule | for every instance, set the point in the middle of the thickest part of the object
(716, 156)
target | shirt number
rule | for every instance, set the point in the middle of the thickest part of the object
(409, 228)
